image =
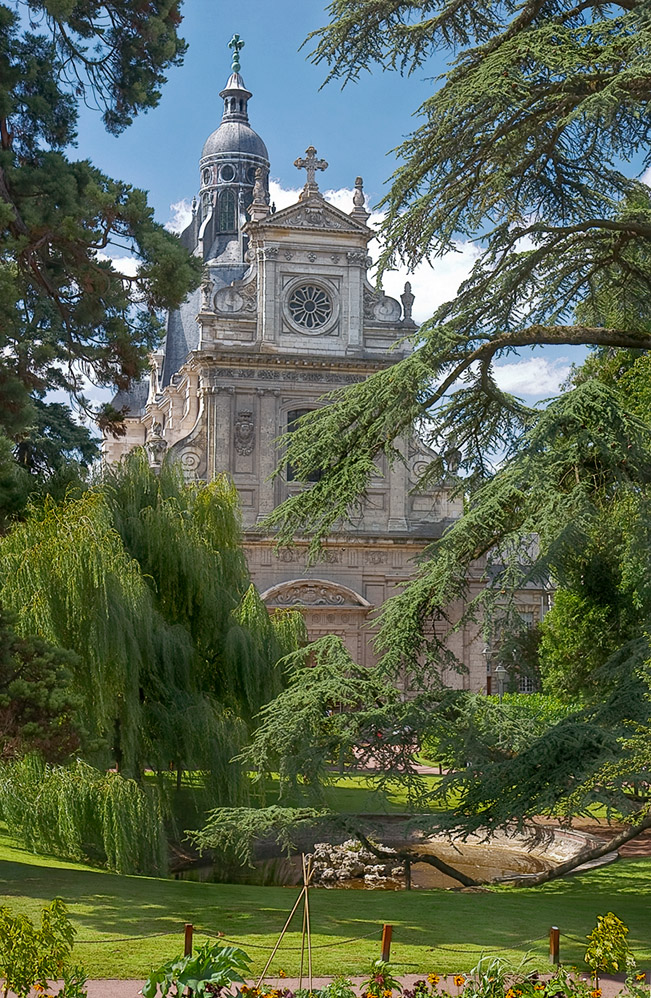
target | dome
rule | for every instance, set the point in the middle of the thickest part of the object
(235, 137)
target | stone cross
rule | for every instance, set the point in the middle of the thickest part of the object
(236, 44)
(310, 164)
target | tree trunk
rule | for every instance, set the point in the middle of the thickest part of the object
(589, 854)
(416, 857)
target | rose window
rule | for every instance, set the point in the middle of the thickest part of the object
(310, 306)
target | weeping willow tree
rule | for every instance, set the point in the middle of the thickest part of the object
(143, 577)
(81, 813)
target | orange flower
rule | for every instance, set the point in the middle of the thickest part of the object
(640, 977)
(459, 980)
(386, 994)
(433, 979)
(281, 973)
(595, 993)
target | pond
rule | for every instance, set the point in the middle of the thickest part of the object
(346, 866)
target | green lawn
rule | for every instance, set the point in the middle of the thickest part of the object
(434, 930)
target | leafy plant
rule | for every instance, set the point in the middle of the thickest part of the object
(380, 980)
(31, 956)
(214, 967)
(340, 987)
(608, 951)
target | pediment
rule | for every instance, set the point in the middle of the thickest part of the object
(313, 592)
(317, 214)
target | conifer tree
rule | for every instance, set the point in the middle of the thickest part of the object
(66, 313)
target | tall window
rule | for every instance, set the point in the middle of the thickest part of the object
(293, 417)
(227, 211)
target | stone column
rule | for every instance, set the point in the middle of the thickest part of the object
(267, 451)
(398, 488)
(222, 423)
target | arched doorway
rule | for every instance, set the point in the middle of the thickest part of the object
(328, 608)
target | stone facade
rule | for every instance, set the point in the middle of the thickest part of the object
(285, 314)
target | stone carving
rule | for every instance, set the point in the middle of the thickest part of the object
(156, 445)
(330, 557)
(190, 461)
(244, 432)
(356, 257)
(380, 308)
(259, 208)
(359, 202)
(206, 292)
(311, 257)
(312, 217)
(270, 252)
(288, 254)
(229, 300)
(310, 164)
(376, 557)
(335, 257)
(407, 299)
(310, 595)
(289, 555)
(266, 375)
(237, 298)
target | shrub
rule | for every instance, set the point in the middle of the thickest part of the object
(30, 957)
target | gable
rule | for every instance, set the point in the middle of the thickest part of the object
(317, 214)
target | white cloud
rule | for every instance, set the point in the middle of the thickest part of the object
(181, 216)
(127, 265)
(535, 377)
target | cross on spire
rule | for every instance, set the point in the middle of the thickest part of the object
(236, 44)
(310, 164)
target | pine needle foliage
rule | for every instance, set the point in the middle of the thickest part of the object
(523, 147)
(80, 813)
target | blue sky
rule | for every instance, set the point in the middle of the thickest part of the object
(354, 129)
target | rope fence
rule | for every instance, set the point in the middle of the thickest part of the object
(343, 942)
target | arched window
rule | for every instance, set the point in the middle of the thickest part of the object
(227, 213)
(293, 417)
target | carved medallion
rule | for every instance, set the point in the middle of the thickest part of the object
(244, 432)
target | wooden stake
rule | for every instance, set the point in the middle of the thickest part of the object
(308, 877)
(387, 932)
(554, 945)
(280, 937)
(187, 940)
(300, 979)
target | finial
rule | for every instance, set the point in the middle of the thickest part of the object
(260, 205)
(407, 299)
(236, 44)
(310, 164)
(359, 202)
(194, 205)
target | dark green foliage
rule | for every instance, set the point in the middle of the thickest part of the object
(143, 577)
(78, 812)
(65, 312)
(520, 148)
(480, 729)
(37, 703)
(212, 970)
(31, 957)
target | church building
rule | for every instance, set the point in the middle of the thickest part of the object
(285, 314)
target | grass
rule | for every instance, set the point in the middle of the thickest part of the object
(434, 930)
(354, 794)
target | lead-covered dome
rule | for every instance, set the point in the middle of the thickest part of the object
(234, 137)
